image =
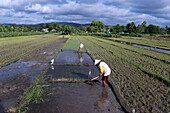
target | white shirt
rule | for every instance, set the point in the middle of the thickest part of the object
(107, 70)
(81, 45)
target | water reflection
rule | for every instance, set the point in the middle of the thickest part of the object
(151, 48)
(52, 67)
(80, 56)
(145, 47)
(103, 100)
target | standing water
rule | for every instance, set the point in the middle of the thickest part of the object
(17, 76)
(145, 47)
(76, 97)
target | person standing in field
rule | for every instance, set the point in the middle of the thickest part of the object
(104, 69)
(81, 47)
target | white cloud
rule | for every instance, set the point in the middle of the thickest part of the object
(33, 8)
(5, 12)
(5, 3)
(84, 11)
(20, 14)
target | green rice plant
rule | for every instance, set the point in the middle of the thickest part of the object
(73, 44)
(144, 62)
(162, 45)
(138, 82)
(18, 47)
(14, 34)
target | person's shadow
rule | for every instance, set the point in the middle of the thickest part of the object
(102, 98)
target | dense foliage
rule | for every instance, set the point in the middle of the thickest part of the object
(94, 27)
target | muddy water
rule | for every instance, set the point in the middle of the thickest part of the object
(75, 72)
(19, 75)
(70, 57)
(152, 48)
(145, 47)
(76, 97)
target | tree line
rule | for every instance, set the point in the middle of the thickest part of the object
(94, 27)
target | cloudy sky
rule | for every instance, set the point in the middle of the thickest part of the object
(111, 12)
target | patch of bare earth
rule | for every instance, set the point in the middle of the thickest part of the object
(11, 88)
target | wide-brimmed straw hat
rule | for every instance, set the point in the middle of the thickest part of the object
(96, 61)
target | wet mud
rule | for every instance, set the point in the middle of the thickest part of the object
(78, 98)
(68, 96)
(17, 76)
(75, 72)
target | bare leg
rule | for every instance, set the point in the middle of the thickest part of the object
(104, 84)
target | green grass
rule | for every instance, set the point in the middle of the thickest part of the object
(73, 44)
(17, 47)
(154, 67)
(15, 34)
(145, 42)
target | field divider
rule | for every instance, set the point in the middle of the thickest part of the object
(165, 61)
(60, 50)
(144, 44)
(159, 77)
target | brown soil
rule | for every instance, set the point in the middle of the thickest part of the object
(12, 87)
(41, 53)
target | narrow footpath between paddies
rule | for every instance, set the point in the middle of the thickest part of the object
(17, 76)
(67, 92)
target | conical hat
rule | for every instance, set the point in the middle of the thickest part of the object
(96, 61)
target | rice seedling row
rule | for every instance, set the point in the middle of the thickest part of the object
(156, 55)
(147, 43)
(142, 92)
(73, 44)
(146, 63)
(16, 40)
(16, 51)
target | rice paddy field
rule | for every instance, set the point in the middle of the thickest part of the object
(141, 76)
(12, 49)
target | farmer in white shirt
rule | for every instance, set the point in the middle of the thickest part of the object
(81, 47)
(104, 69)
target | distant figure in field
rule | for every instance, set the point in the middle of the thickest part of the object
(81, 47)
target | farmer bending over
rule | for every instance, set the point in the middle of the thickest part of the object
(81, 47)
(104, 69)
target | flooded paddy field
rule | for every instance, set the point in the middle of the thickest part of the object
(66, 87)
(71, 57)
(17, 76)
(78, 98)
(75, 97)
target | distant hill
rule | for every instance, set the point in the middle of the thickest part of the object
(62, 23)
